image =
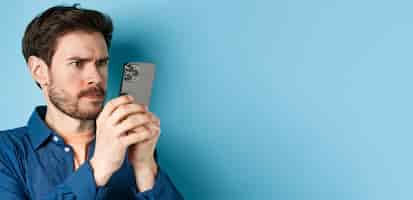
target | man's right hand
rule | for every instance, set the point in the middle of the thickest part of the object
(112, 139)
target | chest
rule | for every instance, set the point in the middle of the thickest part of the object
(48, 168)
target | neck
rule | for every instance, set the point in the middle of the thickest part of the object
(62, 123)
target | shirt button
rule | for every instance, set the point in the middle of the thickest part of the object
(55, 138)
(67, 149)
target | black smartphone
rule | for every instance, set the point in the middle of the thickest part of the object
(137, 78)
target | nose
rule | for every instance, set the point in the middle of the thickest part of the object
(95, 75)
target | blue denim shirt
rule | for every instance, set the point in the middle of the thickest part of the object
(35, 163)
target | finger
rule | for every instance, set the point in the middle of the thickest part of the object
(139, 129)
(124, 111)
(155, 119)
(113, 104)
(154, 129)
(131, 122)
(135, 137)
(146, 107)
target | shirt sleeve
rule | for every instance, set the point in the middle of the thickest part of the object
(163, 189)
(10, 184)
(79, 185)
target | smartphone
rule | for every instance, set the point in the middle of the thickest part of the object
(137, 78)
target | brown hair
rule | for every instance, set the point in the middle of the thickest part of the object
(40, 37)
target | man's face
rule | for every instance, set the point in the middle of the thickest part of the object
(78, 73)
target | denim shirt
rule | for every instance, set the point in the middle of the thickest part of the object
(35, 163)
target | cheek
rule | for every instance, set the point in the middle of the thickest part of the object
(69, 85)
(70, 82)
(64, 77)
(104, 78)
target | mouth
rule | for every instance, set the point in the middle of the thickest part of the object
(94, 96)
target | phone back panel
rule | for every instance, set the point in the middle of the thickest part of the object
(137, 78)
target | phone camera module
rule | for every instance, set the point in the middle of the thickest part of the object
(132, 72)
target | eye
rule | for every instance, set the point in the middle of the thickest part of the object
(75, 63)
(102, 63)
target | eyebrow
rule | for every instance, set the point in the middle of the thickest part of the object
(84, 59)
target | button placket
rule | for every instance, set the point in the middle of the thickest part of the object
(60, 142)
(66, 149)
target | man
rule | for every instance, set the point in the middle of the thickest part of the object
(75, 147)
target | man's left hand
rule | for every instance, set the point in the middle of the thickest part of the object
(141, 154)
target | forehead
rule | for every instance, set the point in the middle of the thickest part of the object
(81, 44)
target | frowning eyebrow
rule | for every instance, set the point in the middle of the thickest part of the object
(85, 59)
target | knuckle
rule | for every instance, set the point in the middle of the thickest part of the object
(146, 134)
(133, 118)
(140, 130)
(142, 108)
(116, 101)
(111, 103)
(156, 118)
(122, 108)
(135, 107)
(129, 123)
(156, 133)
(125, 98)
(137, 118)
(148, 117)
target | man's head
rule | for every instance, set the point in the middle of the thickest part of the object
(66, 49)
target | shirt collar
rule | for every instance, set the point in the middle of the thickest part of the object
(37, 128)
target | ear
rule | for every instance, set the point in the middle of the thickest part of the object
(39, 70)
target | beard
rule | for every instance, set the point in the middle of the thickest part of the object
(71, 106)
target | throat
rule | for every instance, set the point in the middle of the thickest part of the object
(62, 123)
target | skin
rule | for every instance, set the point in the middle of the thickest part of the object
(74, 86)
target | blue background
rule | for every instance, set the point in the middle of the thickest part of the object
(259, 99)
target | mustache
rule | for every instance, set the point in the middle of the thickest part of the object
(93, 91)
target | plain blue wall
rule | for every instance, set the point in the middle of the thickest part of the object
(260, 99)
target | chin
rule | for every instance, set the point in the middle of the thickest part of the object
(93, 103)
(91, 111)
(87, 115)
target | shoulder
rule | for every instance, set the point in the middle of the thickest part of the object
(15, 135)
(13, 154)
(13, 141)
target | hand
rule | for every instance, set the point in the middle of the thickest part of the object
(112, 139)
(141, 154)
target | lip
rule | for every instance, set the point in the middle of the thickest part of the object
(94, 96)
